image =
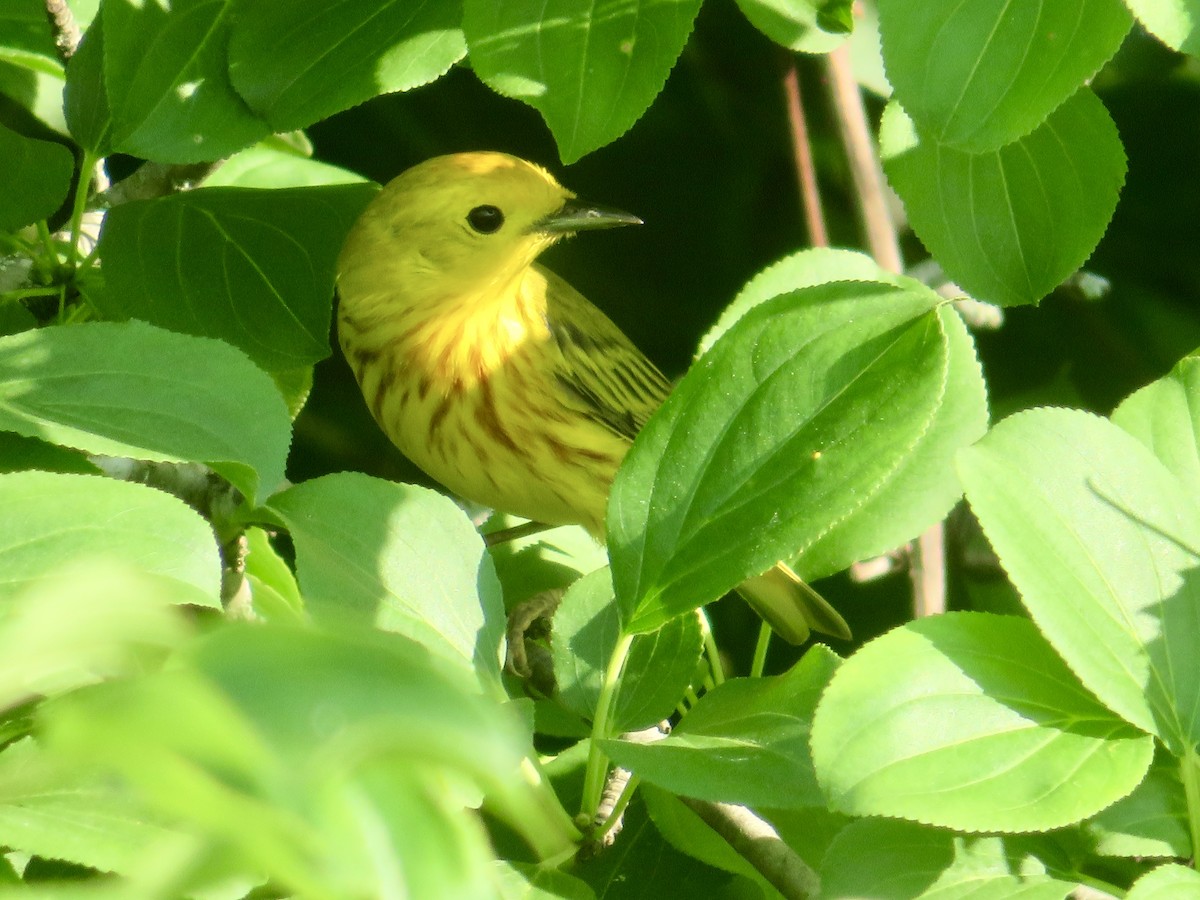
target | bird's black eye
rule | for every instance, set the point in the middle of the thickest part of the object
(485, 219)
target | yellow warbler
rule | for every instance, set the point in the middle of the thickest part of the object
(493, 374)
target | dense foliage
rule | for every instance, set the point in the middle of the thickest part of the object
(231, 668)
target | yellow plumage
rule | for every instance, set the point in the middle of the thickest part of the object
(490, 372)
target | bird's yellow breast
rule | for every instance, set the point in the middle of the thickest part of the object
(469, 396)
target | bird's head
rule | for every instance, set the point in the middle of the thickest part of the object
(468, 217)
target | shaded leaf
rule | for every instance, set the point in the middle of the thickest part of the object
(34, 179)
(253, 267)
(980, 75)
(328, 57)
(1009, 225)
(590, 70)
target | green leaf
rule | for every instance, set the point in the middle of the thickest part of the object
(591, 70)
(18, 453)
(1101, 541)
(555, 558)
(99, 615)
(266, 166)
(970, 721)
(810, 406)
(1169, 882)
(23, 26)
(273, 586)
(1165, 416)
(168, 84)
(58, 813)
(252, 267)
(889, 860)
(523, 881)
(130, 389)
(305, 757)
(805, 268)
(52, 521)
(746, 741)
(1176, 24)
(801, 25)
(980, 75)
(328, 57)
(1009, 225)
(1151, 822)
(658, 670)
(85, 97)
(401, 557)
(34, 179)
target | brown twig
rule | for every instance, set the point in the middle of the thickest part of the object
(927, 569)
(806, 170)
(65, 28)
(759, 843)
(865, 170)
(152, 180)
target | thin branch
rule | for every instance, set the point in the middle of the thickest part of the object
(806, 170)
(157, 180)
(65, 28)
(760, 844)
(851, 118)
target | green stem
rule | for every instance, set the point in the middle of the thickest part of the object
(86, 173)
(48, 244)
(620, 805)
(597, 762)
(760, 651)
(710, 648)
(24, 293)
(1189, 770)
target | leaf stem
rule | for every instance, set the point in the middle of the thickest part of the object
(710, 648)
(760, 651)
(597, 762)
(1189, 770)
(87, 171)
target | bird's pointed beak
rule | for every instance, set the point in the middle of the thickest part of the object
(578, 215)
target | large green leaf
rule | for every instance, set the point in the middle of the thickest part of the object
(1010, 224)
(130, 389)
(1169, 882)
(591, 69)
(979, 75)
(1152, 822)
(970, 721)
(33, 180)
(402, 557)
(781, 437)
(252, 267)
(298, 61)
(54, 521)
(167, 80)
(1103, 543)
(746, 741)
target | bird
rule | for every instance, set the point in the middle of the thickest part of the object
(493, 374)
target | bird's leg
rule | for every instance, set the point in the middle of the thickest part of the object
(529, 626)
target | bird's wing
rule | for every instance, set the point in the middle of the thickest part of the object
(599, 370)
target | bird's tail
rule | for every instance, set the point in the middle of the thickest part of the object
(790, 606)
